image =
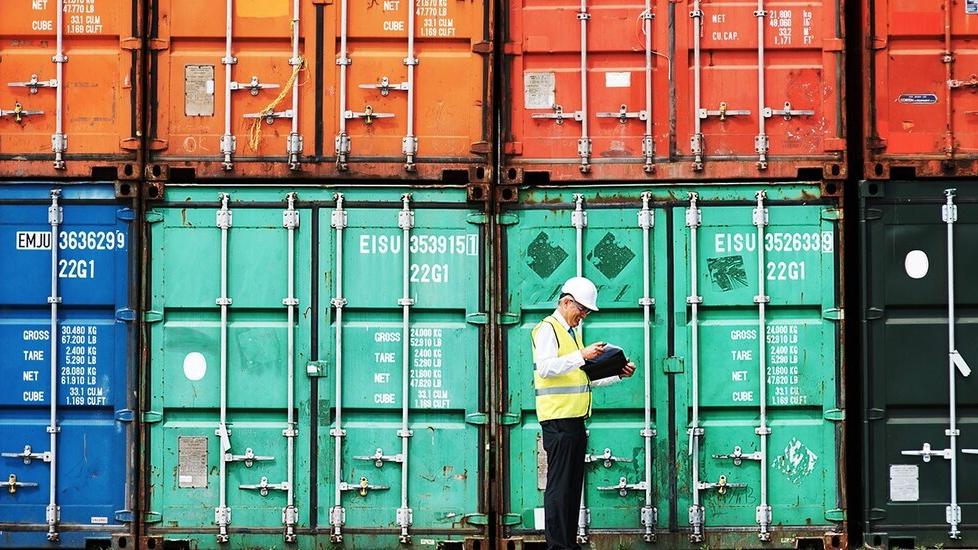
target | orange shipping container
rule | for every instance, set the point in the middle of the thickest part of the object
(70, 88)
(311, 88)
(695, 89)
(919, 77)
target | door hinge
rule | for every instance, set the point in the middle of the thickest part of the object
(480, 148)
(673, 365)
(127, 516)
(125, 314)
(833, 45)
(833, 314)
(153, 216)
(130, 43)
(507, 219)
(876, 514)
(513, 148)
(874, 313)
(125, 214)
(152, 517)
(315, 369)
(151, 417)
(508, 318)
(125, 415)
(130, 144)
(477, 318)
(875, 143)
(510, 519)
(482, 47)
(512, 48)
(478, 419)
(835, 515)
(832, 214)
(477, 218)
(875, 414)
(152, 316)
(835, 415)
(509, 419)
(872, 214)
(476, 519)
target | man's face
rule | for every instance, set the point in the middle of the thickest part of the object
(572, 311)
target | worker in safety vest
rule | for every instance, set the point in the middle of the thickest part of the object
(563, 399)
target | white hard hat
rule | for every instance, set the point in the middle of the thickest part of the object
(583, 291)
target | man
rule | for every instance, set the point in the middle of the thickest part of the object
(563, 402)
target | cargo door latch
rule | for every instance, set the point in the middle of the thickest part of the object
(19, 112)
(28, 455)
(379, 458)
(926, 453)
(722, 112)
(368, 115)
(253, 87)
(623, 114)
(385, 87)
(624, 486)
(606, 458)
(34, 84)
(721, 485)
(559, 116)
(362, 487)
(263, 487)
(738, 456)
(12, 484)
(249, 458)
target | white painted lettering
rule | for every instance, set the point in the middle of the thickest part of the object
(33, 355)
(741, 354)
(384, 398)
(743, 396)
(393, 25)
(384, 357)
(382, 377)
(33, 396)
(739, 376)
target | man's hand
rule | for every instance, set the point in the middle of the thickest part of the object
(592, 351)
(629, 370)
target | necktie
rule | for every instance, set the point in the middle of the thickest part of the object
(573, 336)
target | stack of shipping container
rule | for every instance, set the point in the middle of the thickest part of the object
(268, 271)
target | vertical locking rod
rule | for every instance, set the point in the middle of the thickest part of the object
(294, 142)
(222, 514)
(953, 512)
(579, 221)
(584, 144)
(342, 144)
(337, 515)
(760, 216)
(290, 219)
(646, 221)
(410, 141)
(59, 141)
(228, 140)
(761, 141)
(697, 142)
(53, 511)
(406, 223)
(696, 512)
(648, 149)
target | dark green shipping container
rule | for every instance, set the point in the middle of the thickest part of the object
(729, 434)
(286, 327)
(920, 332)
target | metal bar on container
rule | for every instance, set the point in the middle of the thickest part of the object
(763, 512)
(948, 59)
(648, 148)
(342, 142)
(59, 141)
(405, 220)
(694, 219)
(584, 144)
(294, 142)
(337, 515)
(953, 511)
(228, 140)
(410, 141)
(761, 141)
(697, 141)
(222, 514)
(290, 220)
(646, 220)
(579, 221)
(53, 512)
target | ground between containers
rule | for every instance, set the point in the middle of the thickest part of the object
(730, 434)
(67, 336)
(315, 370)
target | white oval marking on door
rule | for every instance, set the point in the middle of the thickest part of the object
(916, 264)
(194, 366)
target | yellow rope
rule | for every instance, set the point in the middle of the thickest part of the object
(254, 135)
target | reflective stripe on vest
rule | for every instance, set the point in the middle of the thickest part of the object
(566, 395)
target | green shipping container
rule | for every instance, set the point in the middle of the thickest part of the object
(285, 328)
(684, 452)
(919, 302)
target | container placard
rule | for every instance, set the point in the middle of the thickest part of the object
(904, 483)
(192, 459)
(971, 6)
(539, 90)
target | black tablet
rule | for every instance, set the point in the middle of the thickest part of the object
(610, 363)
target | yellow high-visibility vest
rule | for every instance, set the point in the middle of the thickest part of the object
(567, 395)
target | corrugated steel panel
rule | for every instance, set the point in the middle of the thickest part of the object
(802, 368)
(690, 90)
(357, 337)
(257, 89)
(920, 402)
(70, 97)
(919, 81)
(66, 406)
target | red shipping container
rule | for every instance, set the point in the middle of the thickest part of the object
(673, 90)
(919, 75)
(320, 89)
(69, 97)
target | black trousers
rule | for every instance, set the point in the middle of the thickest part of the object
(565, 441)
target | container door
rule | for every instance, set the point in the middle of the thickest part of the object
(403, 306)
(756, 336)
(543, 248)
(69, 91)
(236, 86)
(762, 81)
(67, 485)
(909, 451)
(227, 441)
(409, 84)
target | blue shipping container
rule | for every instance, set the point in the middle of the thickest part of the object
(66, 314)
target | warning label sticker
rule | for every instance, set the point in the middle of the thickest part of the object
(904, 483)
(971, 6)
(539, 90)
(918, 99)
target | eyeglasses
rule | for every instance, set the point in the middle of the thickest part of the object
(581, 309)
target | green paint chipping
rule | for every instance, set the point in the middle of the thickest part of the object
(610, 257)
(544, 258)
(797, 462)
(727, 272)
